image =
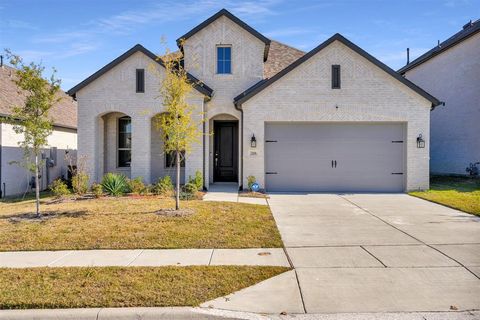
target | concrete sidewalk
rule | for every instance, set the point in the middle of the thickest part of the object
(188, 313)
(229, 192)
(145, 257)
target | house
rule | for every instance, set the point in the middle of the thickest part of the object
(14, 178)
(451, 71)
(332, 119)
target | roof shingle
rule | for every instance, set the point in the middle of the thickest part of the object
(63, 113)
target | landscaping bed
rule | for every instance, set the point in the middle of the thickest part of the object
(462, 193)
(135, 222)
(36, 288)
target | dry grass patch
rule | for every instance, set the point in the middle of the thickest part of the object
(128, 223)
(37, 288)
(460, 193)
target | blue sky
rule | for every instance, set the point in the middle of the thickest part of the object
(79, 37)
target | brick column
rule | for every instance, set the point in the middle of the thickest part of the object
(141, 147)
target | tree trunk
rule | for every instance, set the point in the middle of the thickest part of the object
(37, 187)
(177, 193)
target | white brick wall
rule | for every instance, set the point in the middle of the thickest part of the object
(16, 178)
(247, 69)
(454, 77)
(115, 92)
(367, 94)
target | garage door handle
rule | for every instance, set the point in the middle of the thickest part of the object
(332, 163)
(271, 173)
(335, 163)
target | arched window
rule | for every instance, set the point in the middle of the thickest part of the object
(124, 150)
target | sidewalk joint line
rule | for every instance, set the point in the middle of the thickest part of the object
(60, 258)
(211, 256)
(135, 258)
(374, 256)
(300, 290)
(428, 245)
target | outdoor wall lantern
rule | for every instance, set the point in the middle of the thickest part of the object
(253, 142)
(420, 141)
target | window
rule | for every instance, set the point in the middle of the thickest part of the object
(140, 80)
(335, 76)
(124, 142)
(224, 60)
(170, 159)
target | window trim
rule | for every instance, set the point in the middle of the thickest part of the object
(216, 59)
(140, 81)
(118, 142)
(336, 76)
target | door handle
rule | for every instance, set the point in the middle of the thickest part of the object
(335, 163)
(332, 163)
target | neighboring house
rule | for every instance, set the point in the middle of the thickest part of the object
(15, 179)
(451, 71)
(332, 119)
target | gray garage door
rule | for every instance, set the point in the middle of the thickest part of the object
(334, 157)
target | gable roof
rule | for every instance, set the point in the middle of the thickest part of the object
(230, 16)
(63, 113)
(468, 30)
(279, 57)
(200, 86)
(261, 85)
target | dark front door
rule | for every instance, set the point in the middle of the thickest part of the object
(225, 157)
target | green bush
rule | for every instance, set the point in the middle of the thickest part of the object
(59, 188)
(250, 181)
(80, 183)
(163, 187)
(189, 191)
(114, 184)
(197, 180)
(136, 186)
(97, 190)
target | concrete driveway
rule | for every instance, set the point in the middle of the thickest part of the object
(369, 253)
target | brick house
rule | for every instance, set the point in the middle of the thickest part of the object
(451, 71)
(332, 119)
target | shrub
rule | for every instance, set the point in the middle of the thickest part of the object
(114, 184)
(97, 190)
(136, 186)
(163, 187)
(250, 181)
(189, 191)
(197, 180)
(59, 188)
(80, 183)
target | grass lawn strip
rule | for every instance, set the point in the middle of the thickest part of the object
(132, 223)
(455, 192)
(42, 288)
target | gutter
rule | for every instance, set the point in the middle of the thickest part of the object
(240, 187)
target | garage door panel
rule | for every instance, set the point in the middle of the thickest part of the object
(368, 157)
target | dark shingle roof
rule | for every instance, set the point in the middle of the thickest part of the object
(63, 113)
(261, 85)
(468, 30)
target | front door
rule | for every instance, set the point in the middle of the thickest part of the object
(225, 158)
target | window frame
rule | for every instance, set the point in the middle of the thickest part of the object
(124, 118)
(336, 76)
(140, 80)
(217, 60)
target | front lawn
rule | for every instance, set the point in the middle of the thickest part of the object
(128, 223)
(124, 287)
(457, 192)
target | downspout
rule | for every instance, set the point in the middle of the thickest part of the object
(204, 146)
(240, 188)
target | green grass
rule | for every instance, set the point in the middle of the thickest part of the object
(37, 288)
(128, 223)
(457, 192)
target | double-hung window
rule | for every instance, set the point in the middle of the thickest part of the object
(124, 142)
(224, 59)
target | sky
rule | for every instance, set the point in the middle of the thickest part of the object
(78, 37)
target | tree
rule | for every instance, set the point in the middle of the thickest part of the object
(31, 119)
(178, 129)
